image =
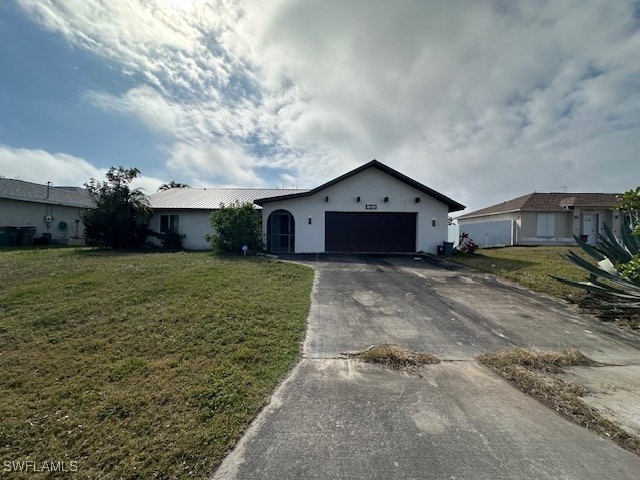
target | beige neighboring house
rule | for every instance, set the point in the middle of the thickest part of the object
(543, 219)
(30, 210)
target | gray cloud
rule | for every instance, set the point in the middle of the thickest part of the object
(483, 100)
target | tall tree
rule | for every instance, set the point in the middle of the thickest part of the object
(119, 220)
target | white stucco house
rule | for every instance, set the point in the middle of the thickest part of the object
(29, 210)
(187, 211)
(373, 208)
(543, 219)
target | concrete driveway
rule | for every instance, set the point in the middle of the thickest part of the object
(337, 418)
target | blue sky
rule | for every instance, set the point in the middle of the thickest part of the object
(481, 100)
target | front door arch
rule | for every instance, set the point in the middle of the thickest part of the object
(281, 230)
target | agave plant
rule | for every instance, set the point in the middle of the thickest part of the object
(615, 275)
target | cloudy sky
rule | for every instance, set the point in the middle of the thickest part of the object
(480, 100)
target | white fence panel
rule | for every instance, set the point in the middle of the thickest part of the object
(490, 234)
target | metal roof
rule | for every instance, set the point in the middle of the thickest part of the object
(34, 192)
(547, 202)
(210, 198)
(452, 204)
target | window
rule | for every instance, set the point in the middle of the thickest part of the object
(169, 223)
(546, 225)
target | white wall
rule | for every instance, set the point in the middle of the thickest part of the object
(492, 233)
(194, 225)
(501, 229)
(15, 213)
(371, 186)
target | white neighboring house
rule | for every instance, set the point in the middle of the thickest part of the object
(373, 209)
(187, 211)
(29, 210)
(543, 219)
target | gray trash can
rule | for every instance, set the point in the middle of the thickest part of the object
(447, 247)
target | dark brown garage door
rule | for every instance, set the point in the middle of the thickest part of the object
(370, 232)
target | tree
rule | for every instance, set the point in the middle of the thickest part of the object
(234, 226)
(172, 184)
(120, 219)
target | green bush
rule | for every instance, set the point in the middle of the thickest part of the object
(234, 226)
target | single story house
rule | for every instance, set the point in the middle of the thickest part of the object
(543, 219)
(187, 211)
(373, 208)
(29, 210)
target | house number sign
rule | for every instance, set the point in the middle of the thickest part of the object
(371, 207)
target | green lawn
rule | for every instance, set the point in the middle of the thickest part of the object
(140, 365)
(529, 266)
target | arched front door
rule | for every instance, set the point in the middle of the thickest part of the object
(281, 232)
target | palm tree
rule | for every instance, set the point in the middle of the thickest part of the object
(172, 184)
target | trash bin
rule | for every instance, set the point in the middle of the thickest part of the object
(440, 250)
(584, 238)
(447, 248)
(25, 236)
(8, 236)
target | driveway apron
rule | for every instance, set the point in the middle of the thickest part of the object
(334, 417)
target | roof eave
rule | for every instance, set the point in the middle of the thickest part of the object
(452, 204)
(472, 215)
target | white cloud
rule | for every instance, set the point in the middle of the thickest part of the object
(61, 169)
(229, 164)
(146, 104)
(41, 167)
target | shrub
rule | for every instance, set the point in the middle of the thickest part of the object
(234, 226)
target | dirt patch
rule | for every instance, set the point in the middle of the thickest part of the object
(395, 357)
(532, 371)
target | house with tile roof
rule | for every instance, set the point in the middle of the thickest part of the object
(543, 219)
(31, 210)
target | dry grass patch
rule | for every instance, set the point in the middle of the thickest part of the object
(395, 357)
(532, 371)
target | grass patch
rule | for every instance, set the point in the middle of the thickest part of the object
(532, 371)
(141, 365)
(530, 267)
(394, 357)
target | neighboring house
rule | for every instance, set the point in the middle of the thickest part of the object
(373, 208)
(543, 219)
(42, 210)
(187, 211)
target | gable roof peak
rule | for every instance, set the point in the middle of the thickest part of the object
(452, 204)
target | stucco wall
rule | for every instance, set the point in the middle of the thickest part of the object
(372, 186)
(16, 213)
(193, 224)
(562, 234)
